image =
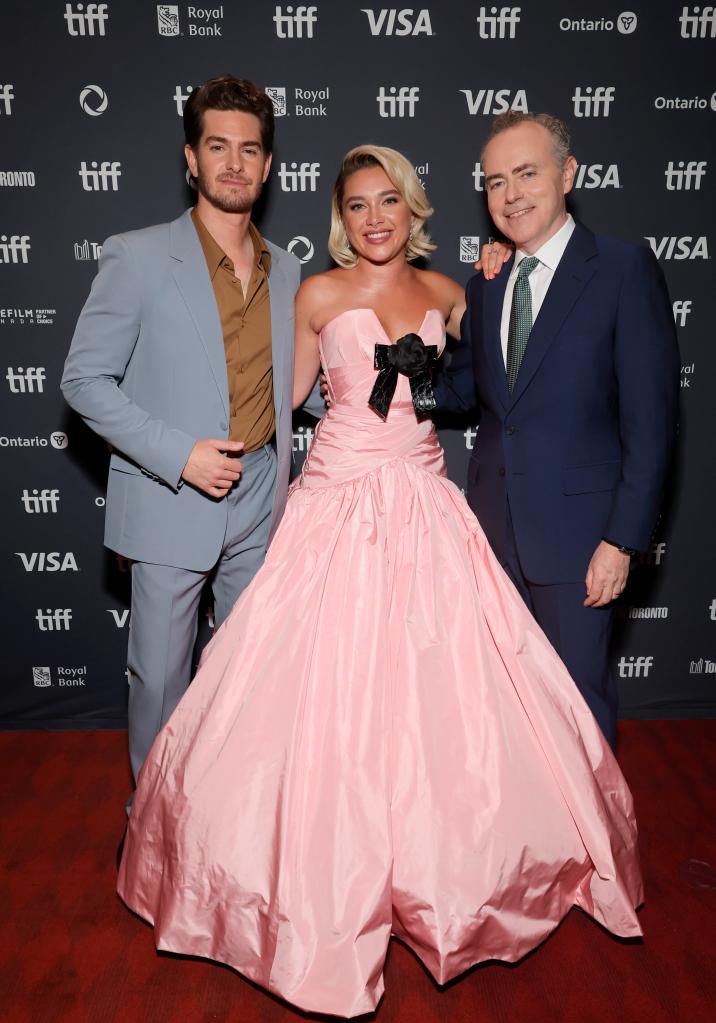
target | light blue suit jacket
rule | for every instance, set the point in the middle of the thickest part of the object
(147, 371)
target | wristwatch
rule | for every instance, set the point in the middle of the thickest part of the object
(624, 550)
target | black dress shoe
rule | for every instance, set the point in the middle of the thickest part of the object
(120, 847)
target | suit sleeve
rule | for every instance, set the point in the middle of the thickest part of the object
(102, 346)
(646, 360)
(454, 384)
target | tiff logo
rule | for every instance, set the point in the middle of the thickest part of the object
(102, 179)
(291, 24)
(26, 381)
(40, 501)
(398, 102)
(500, 24)
(6, 98)
(699, 25)
(686, 176)
(681, 309)
(593, 102)
(635, 667)
(654, 555)
(17, 245)
(299, 178)
(712, 610)
(390, 21)
(180, 97)
(54, 621)
(82, 22)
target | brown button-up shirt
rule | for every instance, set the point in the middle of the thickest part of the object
(245, 315)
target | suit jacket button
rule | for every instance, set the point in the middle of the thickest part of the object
(501, 470)
(509, 430)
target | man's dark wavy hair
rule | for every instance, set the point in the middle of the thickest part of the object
(225, 92)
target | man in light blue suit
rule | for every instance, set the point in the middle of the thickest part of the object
(182, 359)
(575, 369)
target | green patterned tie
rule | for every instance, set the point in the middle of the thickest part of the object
(518, 332)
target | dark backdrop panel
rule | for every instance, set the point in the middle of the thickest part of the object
(90, 102)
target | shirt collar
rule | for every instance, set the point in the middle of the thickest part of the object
(553, 249)
(215, 255)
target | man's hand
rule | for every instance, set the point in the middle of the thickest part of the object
(323, 381)
(606, 575)
(209, 470)
(493, 257)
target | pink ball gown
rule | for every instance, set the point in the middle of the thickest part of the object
(379, 739)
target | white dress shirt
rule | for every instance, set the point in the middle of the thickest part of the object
(540, 278)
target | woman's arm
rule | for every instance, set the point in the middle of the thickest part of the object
(307, 359)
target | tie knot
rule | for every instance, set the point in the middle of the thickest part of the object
(527, 266)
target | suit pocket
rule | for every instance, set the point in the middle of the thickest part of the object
(589, 479)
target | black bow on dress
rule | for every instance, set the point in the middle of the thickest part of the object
(414, 359)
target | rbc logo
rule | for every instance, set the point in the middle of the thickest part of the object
(500, 24)
(299, 178)
(82, 22)
(277, 95)
(398, 102)
(593, 102)
(291, 24)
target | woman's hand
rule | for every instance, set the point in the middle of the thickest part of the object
(492, 258)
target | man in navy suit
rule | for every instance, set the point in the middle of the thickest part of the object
(576, 372)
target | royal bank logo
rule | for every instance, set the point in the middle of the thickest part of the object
(469, 248)
(681, 308)
(395, 21)
(296, 22)
(698, 22)
(302, 248)
(686, 102)
(625, 23)
(86, 251)
(86, 19)
(42, 676)
(277, 95)
(500, 23)
(303, 177)
(26, 381)
(635, 667)
(15, 248)
(94, 100)
(398, 102)
(305, 102)
(6, 97)
(53, 620)
(593, 101)
(687, 374)
(302, 438)
(684, 247)
(495, 101)
(52, 561)
(17, 179)
(597, 175)
(100, 177)
(168, 20)
(19, 317)
(685, 176)
(40, 502)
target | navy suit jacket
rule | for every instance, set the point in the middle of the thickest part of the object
(582, 445)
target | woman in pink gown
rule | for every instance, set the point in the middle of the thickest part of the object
(379, 740)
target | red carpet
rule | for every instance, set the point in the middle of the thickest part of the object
(70, 951)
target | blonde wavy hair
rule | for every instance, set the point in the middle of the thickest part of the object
(402, 174)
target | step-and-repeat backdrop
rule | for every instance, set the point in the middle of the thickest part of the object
(90, 101)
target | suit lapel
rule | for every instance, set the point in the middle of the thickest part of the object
(193, 281)
(493, 296)
(576, 268)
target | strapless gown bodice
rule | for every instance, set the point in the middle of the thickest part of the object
(379, 740)
(352, 439)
